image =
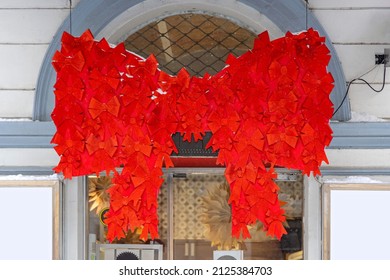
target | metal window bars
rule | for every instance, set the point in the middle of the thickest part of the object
(198, 42)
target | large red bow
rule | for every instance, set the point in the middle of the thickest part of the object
(268, 107)
(96, 107)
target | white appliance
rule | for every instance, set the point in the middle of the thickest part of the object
(229, 255)
(129, 251)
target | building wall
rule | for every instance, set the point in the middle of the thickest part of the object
(27, 28)
(359, 29)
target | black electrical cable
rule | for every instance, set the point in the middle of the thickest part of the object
(306, 13)
(70, 16)
(364, 81)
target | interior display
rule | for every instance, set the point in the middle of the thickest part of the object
(98, 193)
(132, 237)
(292, 241)
(185, 232)
(217, 218)
(292, 193)
(229, 255)
(127, 256)
(269, 107)
(295, 256)
(129, 251)
(102, 215)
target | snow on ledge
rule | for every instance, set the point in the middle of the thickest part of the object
(15, 120)
(20, 177)
(364, 117)
(352, 180)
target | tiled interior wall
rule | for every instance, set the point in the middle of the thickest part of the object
(189, 207)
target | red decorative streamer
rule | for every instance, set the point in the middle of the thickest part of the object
(268, 107)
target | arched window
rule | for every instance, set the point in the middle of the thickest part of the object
(117, 19)
(198, 42)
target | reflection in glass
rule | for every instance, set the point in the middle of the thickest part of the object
(201, 224)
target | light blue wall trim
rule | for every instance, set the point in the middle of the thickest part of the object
(26, 170)
(26, 134)
(96, 14)
(368, 135)
(326, 171)
(346, 135)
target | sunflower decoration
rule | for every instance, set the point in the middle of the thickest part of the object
(132, 237)
(217, 218)
(100, 200)
(97, 193)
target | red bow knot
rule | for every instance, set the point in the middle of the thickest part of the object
(61, 61)
(96, 107)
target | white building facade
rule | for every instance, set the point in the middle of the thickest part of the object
(359, 154)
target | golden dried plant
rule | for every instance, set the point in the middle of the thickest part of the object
(217, 218)
(132, 237)
(98, 195)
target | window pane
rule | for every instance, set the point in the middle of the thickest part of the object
(202, 219)
(99, 202)
(30, 218)
(198, 42)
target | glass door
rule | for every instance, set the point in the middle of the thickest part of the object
(195, 218)
(199, 200)
(202, 220)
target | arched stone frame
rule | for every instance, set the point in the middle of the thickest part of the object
(116, 19)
